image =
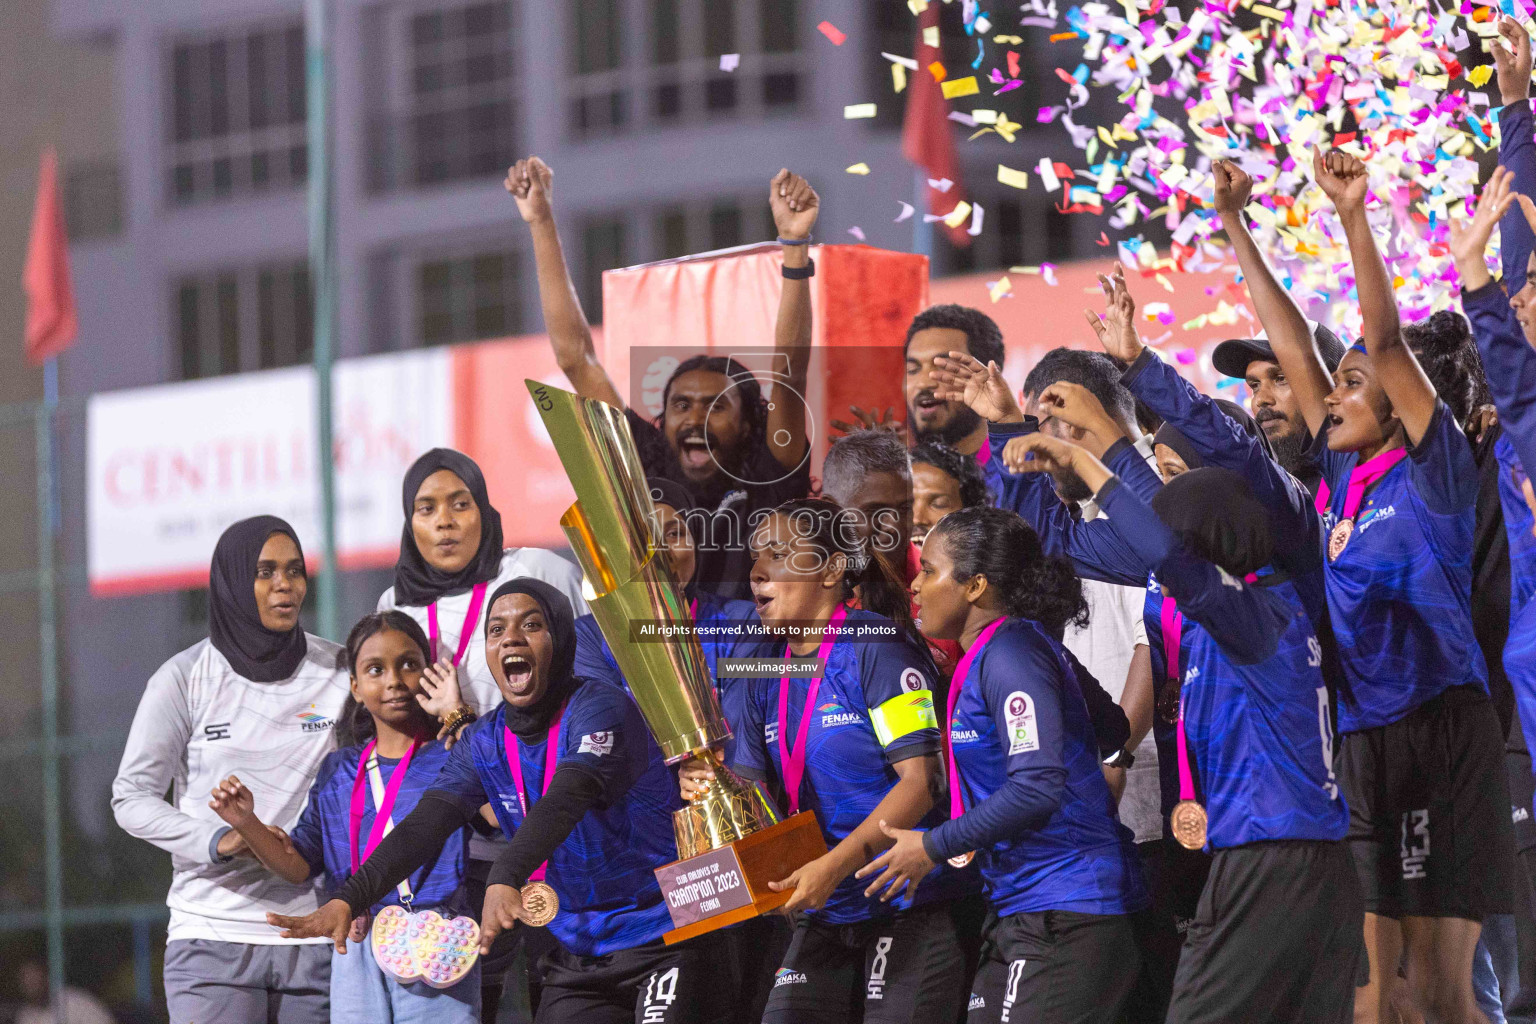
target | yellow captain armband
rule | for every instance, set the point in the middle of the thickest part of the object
(904, 715)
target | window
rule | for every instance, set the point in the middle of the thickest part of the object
(719, 224)
(93, 201)
(679, 75)
(236, 113)
(252, 318)
(604, 246)
(466, 298)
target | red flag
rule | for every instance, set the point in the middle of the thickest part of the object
(51, 319)
(926, 137)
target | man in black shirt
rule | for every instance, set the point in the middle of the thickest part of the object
(737, 451)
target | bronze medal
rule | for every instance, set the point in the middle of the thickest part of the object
(1188, 822)
(961, 860)
(1340, 537)
(1168, 701)
(541, 903)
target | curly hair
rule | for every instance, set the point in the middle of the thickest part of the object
(963, 469)
(1444, 346)
(754, 407)
(983, 338)
(997, 544)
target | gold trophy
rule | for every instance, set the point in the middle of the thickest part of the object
(730, 841)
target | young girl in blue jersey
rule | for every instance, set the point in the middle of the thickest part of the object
(857, 745)
(1026, 791)
(389, 757)
(1421, 755)
(585, 798)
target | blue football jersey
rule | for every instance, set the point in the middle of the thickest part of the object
(604, 871)
(874, 708)
(1400, 591)
(322, 835)
(1032, 784)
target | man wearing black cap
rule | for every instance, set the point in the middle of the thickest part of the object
(1273, 406)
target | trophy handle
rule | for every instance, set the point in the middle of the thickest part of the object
(731, 809)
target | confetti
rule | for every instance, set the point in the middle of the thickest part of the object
(960, 87)
(940, 184)
(978, 215)
(898, 78)
(857, 110)
(957, 216)
(859, 168)
(931, 36)
(907, 209)
(730, 61)
(832, 32)
(1000, 289)
(917, 6)
(1009, 176)
(1479, 75)
(857, 232)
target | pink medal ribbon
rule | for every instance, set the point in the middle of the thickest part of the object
(962, 668)
(515, 762)
(1361, 477)
(471, 619)
(793, 760)
(360, 800)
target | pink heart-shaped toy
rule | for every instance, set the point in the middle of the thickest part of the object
(424, 946)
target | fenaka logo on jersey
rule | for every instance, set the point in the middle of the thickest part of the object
(834, 714)
(598, 743)
(977, 1003)
(1019, 716)
(1375, 515)
(313, 721)
(785, 976)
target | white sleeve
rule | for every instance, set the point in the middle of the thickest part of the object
(559, 573)
(155, 755)
(386, 600)
(1139, 631)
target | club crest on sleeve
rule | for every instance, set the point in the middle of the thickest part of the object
(598, 743)
(1019, 717)
(912, 680)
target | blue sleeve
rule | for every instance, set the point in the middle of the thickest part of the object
(749, 751)
(604, 736)
(1111, 729)
(1022, 683)
(1296, 527)
(308, 832)
(897, 680)
(1094, 549)
(593, 659)
(458, 781)
(1508, 359)
(1444, 470)
(1237, 616)
(1517, 153)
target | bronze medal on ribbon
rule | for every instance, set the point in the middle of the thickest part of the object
(541, 903)
(962, 859)
(1340, 537)
(1188, 822)
(1168, 701)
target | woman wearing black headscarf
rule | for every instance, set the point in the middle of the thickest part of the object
(451, 557)
(258, 698)
(585, 797)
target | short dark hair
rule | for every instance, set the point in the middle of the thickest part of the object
(983, 338)
(963, 468)
(1092, 370)
(855, 455)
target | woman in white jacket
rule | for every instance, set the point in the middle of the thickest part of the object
(257, 699)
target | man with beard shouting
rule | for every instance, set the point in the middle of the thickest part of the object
(734, 450)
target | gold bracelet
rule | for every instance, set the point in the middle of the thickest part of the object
(460, 715)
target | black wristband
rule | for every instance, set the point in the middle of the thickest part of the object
(795, 241)
(800, 273)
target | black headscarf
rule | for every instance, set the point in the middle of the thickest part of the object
(1217, 517)
(670, 492)
(256, 652)
(416, 581)
(1172, 437)
(533, 720)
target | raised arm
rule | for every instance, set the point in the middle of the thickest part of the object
(795, 207)
(1517, 149)
(531, 183)
(1286, 328)
(1413, 398)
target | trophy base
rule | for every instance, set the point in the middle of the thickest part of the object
(719, 888)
